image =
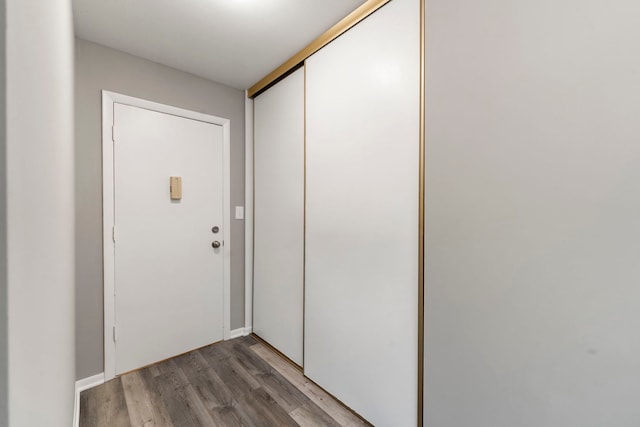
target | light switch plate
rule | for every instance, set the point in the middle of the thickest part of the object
(239, 212)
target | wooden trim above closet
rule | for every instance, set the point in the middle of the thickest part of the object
(421, 216)
(364, 10)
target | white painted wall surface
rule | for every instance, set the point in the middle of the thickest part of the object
(4, 371)
(361, 289)
(533, 237)
(40, 213)
(279, 215)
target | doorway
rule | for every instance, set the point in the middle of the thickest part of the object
(166, 231)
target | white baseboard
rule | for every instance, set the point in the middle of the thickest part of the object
(82, 385)
(241, 332)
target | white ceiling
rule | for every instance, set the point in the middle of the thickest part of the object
(235, 42)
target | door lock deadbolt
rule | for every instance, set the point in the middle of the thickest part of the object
(215, 229)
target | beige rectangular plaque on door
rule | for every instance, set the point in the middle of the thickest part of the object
(175, 187)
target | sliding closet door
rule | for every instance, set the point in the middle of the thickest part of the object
(361, 301)
(279, 215)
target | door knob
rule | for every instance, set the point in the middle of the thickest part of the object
(215, 244)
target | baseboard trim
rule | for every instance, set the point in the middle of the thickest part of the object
(241, 332)
(82, 385)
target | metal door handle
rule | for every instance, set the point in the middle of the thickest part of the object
(215, 244)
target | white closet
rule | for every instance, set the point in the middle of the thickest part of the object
(279, 215)
(361, 300)
(358, 230)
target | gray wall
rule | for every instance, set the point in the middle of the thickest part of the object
(40, 212)
(97, 68)
(3, 223)
(533, 213)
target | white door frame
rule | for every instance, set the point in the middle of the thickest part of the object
(108, 101)
(248, 215)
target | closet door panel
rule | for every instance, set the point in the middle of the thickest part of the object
(279, 215)
(361, 300)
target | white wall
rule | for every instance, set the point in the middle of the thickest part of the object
(40, 212)
(4, 372)
(533, 230)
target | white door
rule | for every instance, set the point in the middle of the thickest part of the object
(361, 284)
(278, 273)
(168, 275)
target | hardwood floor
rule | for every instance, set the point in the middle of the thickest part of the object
(234, 383)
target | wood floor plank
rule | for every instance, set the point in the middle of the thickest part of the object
(234, 364)
(310, 415)
(213, 392)
(250, 360)
(170, 369)
(144, 411)
(182, 402)
(235, 377)
(228, 416)
(281, 390)
(258, 408)
(218, 352)
(154, 369)
(89, 401)
(338, 412)
(155, 396)
(107, 406)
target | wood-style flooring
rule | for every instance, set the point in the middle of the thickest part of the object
(233, 383)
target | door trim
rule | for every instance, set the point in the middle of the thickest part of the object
(108, 101)
(248, 214)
